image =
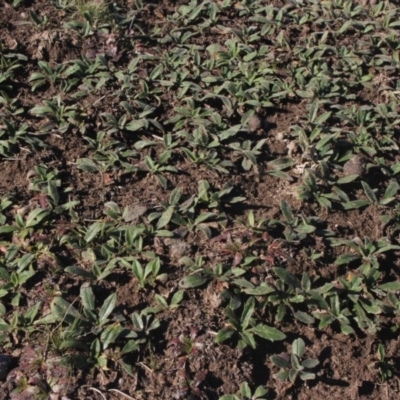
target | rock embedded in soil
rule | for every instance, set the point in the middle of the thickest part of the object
(179, 249)
(355, 166)
(255, 123)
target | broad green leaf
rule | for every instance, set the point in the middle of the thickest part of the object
(25, 261)
(295, 361)
(293, 373)
(389, 247)
(391, 191)
(95, 349)
(305, 376)
(345, 26)
(141, 144)
(161, 300)
(286, 210)
(305, 94)
(313, 110)
(244, 283)
(319, 300)
(87, 164)
(390, 286)
(192, 281)
(304, 317)
(47, 319)
(53, 192)
(247, 313)
(128, 107)
(346, 258)
(245, 390)
(224, 334)
(64, 311)
(281, 163)
(325, 319)
(7, 229)
(299, 347)
(260, 391)
(164, 233)
(323, 117)
(324, 202)
(260, 290)
(196, 11)
(132, 345)
(234, 304)
(204, 217)
(346, 329)
(87, 296)
(287, 277)
(31, 314)
(136, 125)
(310, 363)
(2, 308)
(157, 71)
(248, 339)
(282, 375)
(175, 196)
(107, 307)
(35, 217)
(110, 335)
(267, 332)
(137, 321)
(280, 312)
(369, 192)
(305, 228)
(113, 206)
(165, 217)
(4, 275)
(177, 298)
(80, 272)
(92, 231)
(280, 361)
(369, 306)
(355, 204)
(281, 175)
(305, 282)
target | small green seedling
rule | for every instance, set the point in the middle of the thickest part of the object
(293, 366)
(385, 368)
(244, 328)
(246, 394)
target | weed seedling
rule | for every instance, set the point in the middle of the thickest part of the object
(245, 393)
(293, 365)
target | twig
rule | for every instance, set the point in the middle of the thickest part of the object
(98, 391)
(145, 367)
(121, 393)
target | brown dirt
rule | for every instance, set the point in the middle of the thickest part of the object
(344, 372)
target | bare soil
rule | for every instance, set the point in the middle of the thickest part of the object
(345, 371)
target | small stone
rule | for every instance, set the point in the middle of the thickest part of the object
(255, 123)
(291, 148)
(355, 166)
(179, 249)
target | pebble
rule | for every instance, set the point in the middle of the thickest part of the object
(179, 249)
(255, 123)
(355, 166)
